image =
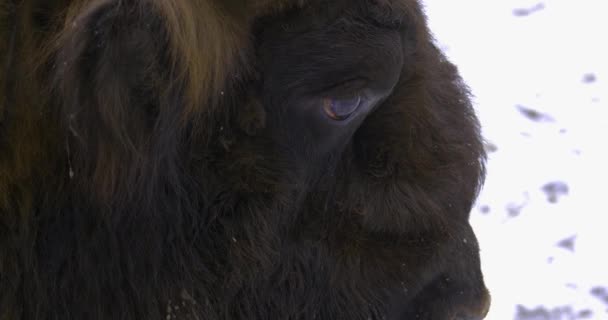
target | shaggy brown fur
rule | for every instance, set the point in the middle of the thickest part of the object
(165, 159)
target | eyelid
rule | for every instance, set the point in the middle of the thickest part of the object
(346, 89)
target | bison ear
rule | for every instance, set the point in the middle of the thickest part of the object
(116, 92)
(109, 63)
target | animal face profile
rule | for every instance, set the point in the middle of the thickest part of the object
(234, 159)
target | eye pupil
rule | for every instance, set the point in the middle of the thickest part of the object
(341, 109)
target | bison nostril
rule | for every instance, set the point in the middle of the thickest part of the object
(478, 312)
(460, 317)
(485, 307)
(468, 317)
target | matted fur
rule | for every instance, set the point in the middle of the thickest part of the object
(140, 176)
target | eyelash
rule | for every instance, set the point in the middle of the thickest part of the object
(348, 86)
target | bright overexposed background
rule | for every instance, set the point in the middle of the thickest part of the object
(539, 74)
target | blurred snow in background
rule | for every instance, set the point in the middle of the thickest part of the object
(539, 73)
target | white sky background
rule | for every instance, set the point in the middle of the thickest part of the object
(538, 62)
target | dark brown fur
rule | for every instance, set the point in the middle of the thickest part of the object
(154, 163)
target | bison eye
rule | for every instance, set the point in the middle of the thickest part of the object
(341, 108)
